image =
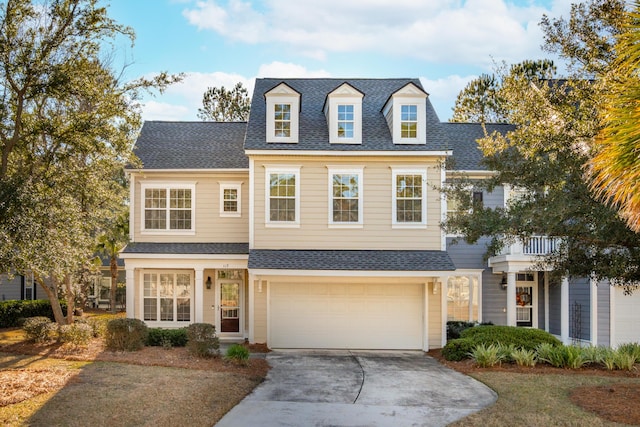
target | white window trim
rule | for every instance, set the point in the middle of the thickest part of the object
(357, 120)
(231, 186)
(168, 323)
(267, 197)
(394, 217)
(346, 171)
(168, 186)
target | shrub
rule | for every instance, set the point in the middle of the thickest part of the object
(623, 360)
(525, 338)
(12, 312)
(609, 359)
(202, 340)
(632, 349)
(574, 357)
(524, 357)
(455, 328)
(98, 326)
(167, 337)
(237, 353)
(39, 328)
(458, 349)
(77, 334)
(487, 356)
(126, 334)
(594, 355)
(554, 356)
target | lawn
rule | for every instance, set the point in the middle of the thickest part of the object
(53, 384)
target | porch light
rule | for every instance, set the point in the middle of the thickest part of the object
(208, 282)
(503, 282)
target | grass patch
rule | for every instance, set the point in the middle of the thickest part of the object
(197, 397)
(537, 400)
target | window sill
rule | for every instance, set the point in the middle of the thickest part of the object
(410, 226)
(168, 232)
(230, 215)
(282, 225)
(338, 225)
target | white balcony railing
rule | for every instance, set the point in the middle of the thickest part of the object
(534, 245)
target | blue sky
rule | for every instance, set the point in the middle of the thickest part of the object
(445, 43)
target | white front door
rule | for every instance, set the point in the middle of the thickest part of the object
(527, 299)
(229, 307)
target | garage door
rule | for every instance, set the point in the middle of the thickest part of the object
(355, 316)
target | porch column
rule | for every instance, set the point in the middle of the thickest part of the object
(471, 301)
(441, 282)
(594, 310)
(130, 291)
(252, 306)
(511, 299)
(564, 311)
(546, 301)
(198, 299)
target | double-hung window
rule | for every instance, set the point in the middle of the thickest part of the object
(409, 197)
(345, 121)
(345, 189)
(230, 199)
(167, 296)
(282, 120)
(168, 207)
(408, 121)
(283, 201)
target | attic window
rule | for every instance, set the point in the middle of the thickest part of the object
(282, 120)
(409, 121)
(343, 110)
(345, 121)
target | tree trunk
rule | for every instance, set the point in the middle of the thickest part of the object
(71, 301)
(114, 281)
(50, 288)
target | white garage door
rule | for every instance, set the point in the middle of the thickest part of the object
(355, 316)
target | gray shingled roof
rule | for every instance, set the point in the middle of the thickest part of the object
(350, 260)
(192, 145)
(187, 248)
(313, 130)
(462, 140)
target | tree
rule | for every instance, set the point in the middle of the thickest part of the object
(479, 101)
(545, 155)
(110, 243)
(67, 127)
(615, 166)
(222, 105)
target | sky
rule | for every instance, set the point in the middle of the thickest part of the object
(445, 43)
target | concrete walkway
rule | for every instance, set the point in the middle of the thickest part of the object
(358, 388)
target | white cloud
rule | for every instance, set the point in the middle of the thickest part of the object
(182, 100)
(281, 69)
(444, 31)
(443, 92)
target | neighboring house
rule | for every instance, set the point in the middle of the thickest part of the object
(316, 224)
(18, 287)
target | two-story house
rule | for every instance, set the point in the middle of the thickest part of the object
(316, 224)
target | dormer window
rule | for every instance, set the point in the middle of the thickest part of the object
(406, 115)
(283, 114)
(409, 121)
(343, 110)
(345, 121)
(282, 120)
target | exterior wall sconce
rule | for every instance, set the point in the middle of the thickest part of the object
(503, 282)
(208, 282)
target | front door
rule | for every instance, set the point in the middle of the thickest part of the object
(229, 311)
(526, 299)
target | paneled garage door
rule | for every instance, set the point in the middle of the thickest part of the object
(355, 316)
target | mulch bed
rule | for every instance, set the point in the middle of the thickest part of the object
(614, 402)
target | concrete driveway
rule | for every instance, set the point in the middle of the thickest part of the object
(358, 388)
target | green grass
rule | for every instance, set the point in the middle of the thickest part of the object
(537, 400)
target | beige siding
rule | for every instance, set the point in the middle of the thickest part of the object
(260, 312)
(377, 231)
(435, 317)
(209, 225)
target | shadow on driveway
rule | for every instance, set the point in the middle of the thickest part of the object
(359, 388)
